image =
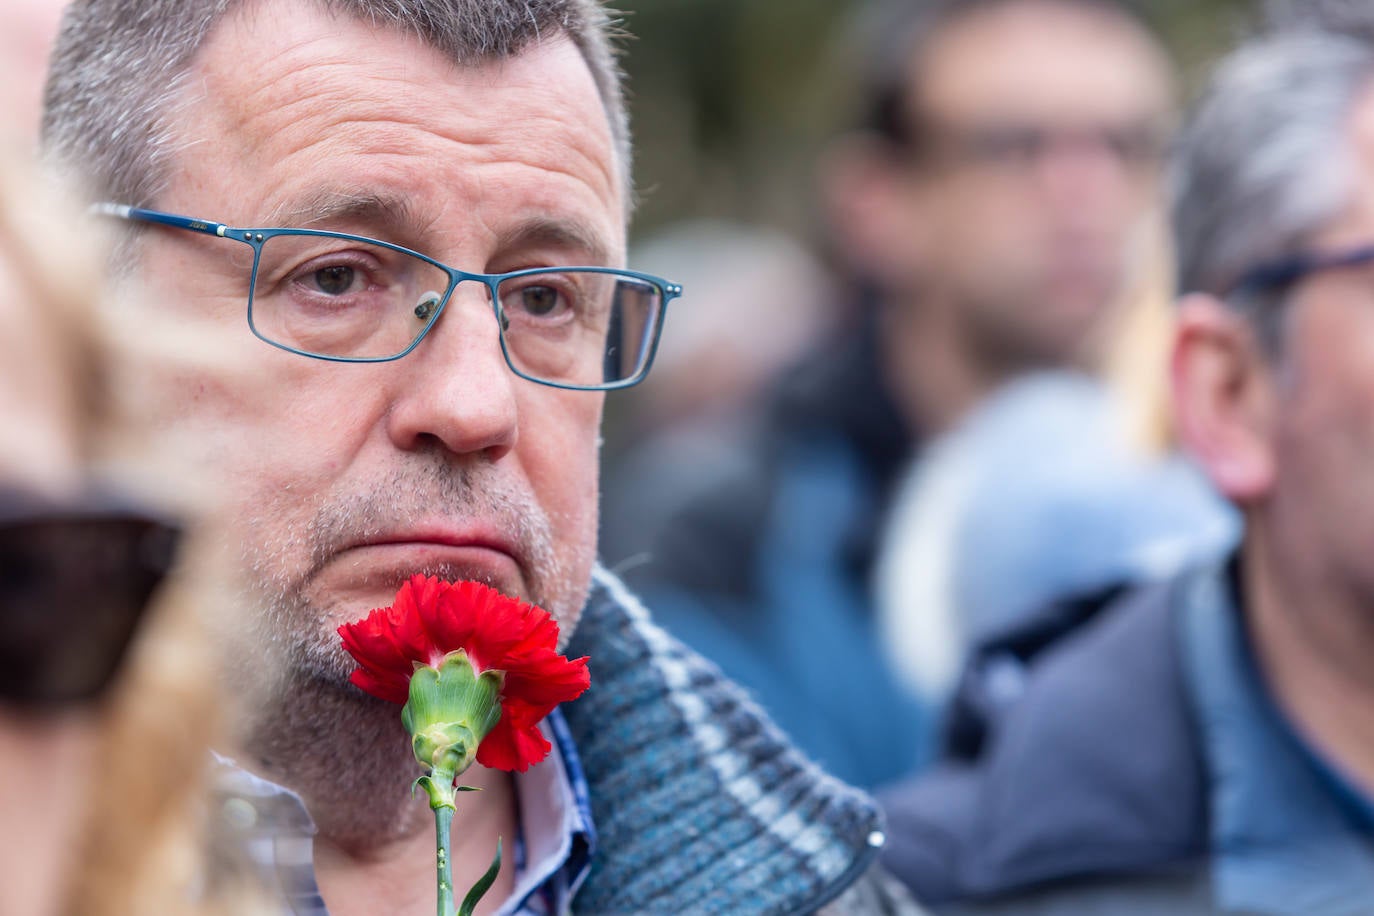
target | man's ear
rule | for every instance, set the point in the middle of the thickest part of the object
(1223, 397)
(871, 208)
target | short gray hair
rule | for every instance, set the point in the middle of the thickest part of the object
(1265, 162)
(119, 66)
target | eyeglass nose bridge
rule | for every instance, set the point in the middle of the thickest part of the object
(432, 304)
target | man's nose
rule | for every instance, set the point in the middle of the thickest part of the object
(1088, 167)
(455, 386)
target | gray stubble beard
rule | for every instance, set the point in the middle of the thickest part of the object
(303, 724)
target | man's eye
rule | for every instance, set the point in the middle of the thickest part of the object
(334, 281)
(539, 300)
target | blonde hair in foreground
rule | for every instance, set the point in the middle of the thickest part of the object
(144, 834)
(1135, 364)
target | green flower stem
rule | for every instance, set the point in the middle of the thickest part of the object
(441, 792)
(438, 785)
(443, 821)
(450, 710)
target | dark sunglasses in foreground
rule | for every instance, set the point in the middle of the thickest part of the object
(74, 583)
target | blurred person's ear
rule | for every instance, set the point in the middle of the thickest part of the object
(1223, 397)
(872, 203)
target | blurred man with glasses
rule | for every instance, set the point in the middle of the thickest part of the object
(991, 207)
(1003, 190)
(1207, 745)
(410, 218)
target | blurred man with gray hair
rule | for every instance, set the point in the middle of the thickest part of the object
(1208, 745)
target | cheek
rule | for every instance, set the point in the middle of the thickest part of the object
(1325, 409)
(1326, 434)
(558, 448)
(197, 383)
(983, 222)
(1322, 501)
(254, 424)
(1327, 368)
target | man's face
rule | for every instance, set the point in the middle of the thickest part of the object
(1320, 506)
(344, 479)
(1039, 128)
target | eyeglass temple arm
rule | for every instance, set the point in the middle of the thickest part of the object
(124, 211)
(1283, 272)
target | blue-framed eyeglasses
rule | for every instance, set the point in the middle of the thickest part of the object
(347, 298)
(1286, 271)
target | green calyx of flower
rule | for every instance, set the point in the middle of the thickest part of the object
(450, 710)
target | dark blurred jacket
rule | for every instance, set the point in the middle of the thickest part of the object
(1122, 757)
(764, 564)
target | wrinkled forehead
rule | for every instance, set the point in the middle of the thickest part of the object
(1041, 59)
(305, 58)
(282, 111)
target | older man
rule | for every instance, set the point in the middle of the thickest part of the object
(1209, 746)
(316, 166)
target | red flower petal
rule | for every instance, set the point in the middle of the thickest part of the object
(449, 617)
(516, 742)
(383, 687)
(430, 618)
(552, 682)
(504, 623)
(409, 631)
(369, 642)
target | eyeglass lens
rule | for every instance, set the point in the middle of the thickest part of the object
(72, 591)
(347, 298)
(578, 327)
(338, 297)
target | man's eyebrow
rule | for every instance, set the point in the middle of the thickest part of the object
(570, 235)
(388, 211)
(393, 215)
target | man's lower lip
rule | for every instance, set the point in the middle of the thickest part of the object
(358, 579)
(395, 562)
(426, 553)
(368, 576)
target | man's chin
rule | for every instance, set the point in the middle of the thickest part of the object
(326, 666)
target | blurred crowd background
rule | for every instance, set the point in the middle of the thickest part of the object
(757, 193)
(733, 100)
(735, 105)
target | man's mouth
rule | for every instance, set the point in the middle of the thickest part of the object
(376, 565)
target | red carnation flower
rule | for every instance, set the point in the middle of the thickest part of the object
(467, 630)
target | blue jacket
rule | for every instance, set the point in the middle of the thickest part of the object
(763, 562)
(1136, 765)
